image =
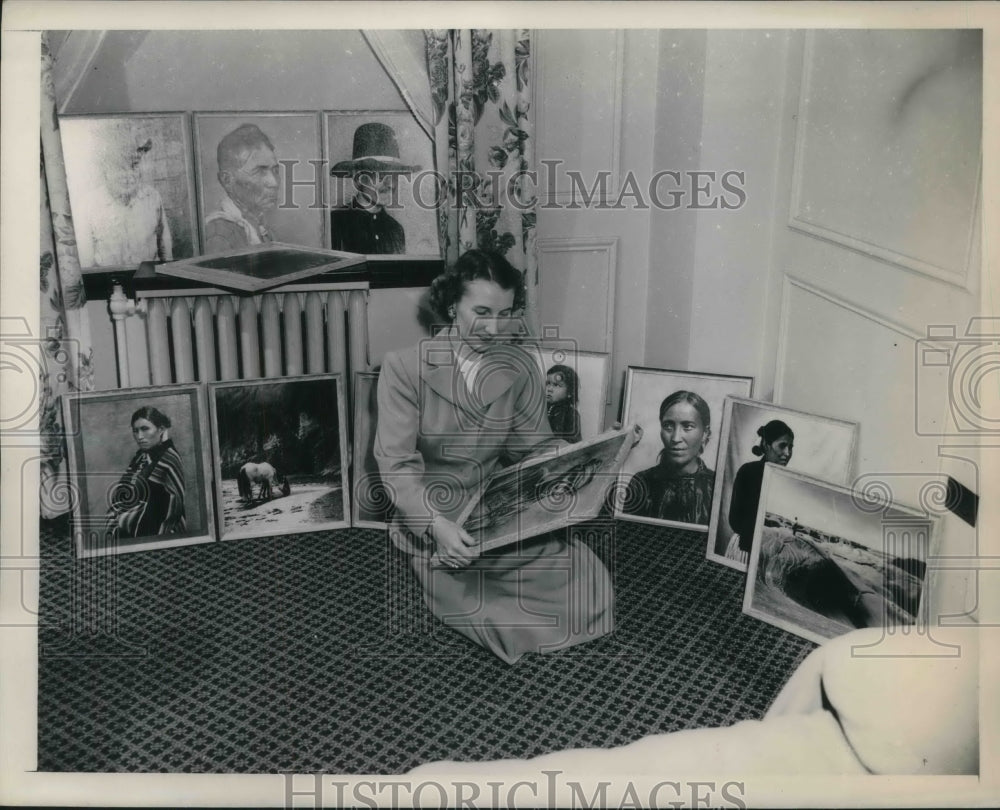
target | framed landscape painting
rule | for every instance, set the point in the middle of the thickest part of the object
(825, 561)
(131, 188)
(669, 479)
(547, 493)
(139, 469)
(280, 455)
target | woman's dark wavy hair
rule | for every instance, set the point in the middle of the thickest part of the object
(473, 265)
(569, 378)
(770, 433)
(150, 414)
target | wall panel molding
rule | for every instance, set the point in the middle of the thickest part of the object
(961, 271)
(789, 285)
(557, 189)
(602, 255)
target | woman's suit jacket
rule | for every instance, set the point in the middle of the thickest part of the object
(437, 442)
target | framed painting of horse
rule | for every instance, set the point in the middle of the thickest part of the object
(280, 453)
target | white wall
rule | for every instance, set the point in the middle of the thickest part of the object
(596, 105)
(741, 125)
(679, 101)
(160, 71)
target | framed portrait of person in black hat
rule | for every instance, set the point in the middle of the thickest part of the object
(382, 187)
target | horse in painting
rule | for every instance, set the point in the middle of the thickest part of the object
(266, 478)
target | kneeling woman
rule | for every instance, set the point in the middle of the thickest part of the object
(451, 411)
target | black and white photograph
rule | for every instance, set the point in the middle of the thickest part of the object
(669, 479)
(826, 561)
(754, 435)
(258, 179)
(576, 386)
(382, 184)
(280, 456)
(131, 187)
(138, 469)
(405, 554)
(547, 493)
(371, 502)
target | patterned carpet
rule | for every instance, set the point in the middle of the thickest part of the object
(314, 653)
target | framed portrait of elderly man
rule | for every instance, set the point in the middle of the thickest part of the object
(827, 560)
(139, 469)
(758, 434)
(280, 449)
(669, 479)
(381, 185)
(258, 178)
(131, 189)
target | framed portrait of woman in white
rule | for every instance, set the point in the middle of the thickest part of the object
(827, 560)
(669, 478)
(131, 188)
(139, 471)
(755, 434)
(280, 455)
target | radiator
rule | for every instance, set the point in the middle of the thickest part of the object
(199, 336)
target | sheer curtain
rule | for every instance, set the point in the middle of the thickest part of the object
(66, 353)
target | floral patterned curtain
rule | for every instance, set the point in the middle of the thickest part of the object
(66, 353)
(483, 144)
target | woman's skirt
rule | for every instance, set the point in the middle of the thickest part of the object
(539, 595)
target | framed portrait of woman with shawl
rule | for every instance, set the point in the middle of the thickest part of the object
(139, 471)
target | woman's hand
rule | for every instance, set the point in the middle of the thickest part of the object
(454, 547)
(636, 429)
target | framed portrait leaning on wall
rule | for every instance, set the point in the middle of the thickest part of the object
(139, 469)
(382, 184)
(669, 479)
(259, 179)
(131, 188)
(755, 434)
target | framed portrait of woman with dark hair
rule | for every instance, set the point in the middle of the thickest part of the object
(669, 478)
(139, 470)
(758, 434)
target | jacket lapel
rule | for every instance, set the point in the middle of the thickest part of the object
(497, 372)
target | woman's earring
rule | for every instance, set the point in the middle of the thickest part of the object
(451, 312)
